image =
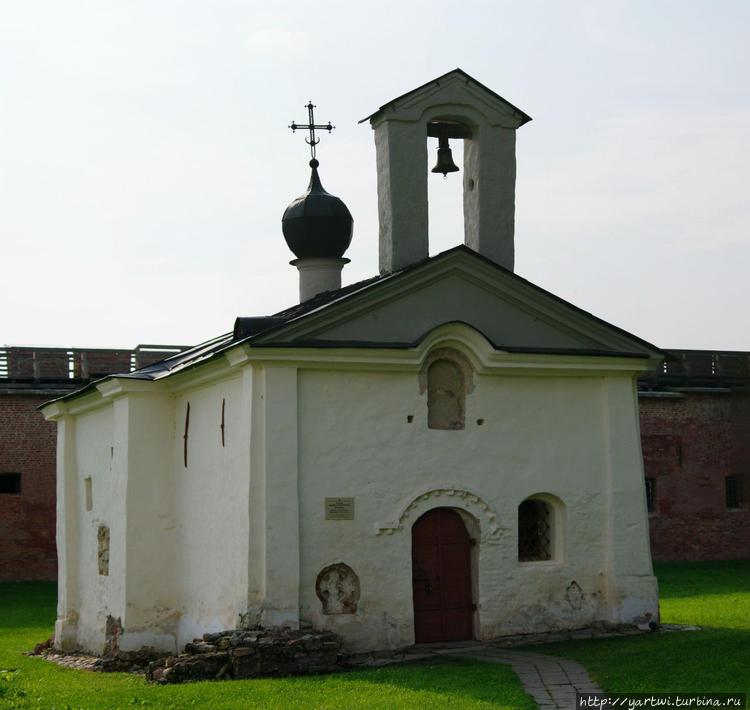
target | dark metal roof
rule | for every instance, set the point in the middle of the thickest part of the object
(245, 327)
(187, 358)
(323, 299)
(317, 224)
(162, 368)
(525, 118)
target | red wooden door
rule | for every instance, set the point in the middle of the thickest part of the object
(441, 577)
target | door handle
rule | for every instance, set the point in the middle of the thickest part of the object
(427, 588)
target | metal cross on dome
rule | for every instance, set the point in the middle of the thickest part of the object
(311, 126)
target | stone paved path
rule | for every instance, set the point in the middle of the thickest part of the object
(550, 680)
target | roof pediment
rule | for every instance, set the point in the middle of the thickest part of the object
(459, 285)
(457, 291)
(456, 88)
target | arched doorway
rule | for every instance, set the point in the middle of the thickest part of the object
(441, 577)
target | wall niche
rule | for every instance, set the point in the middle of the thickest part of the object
(337, 588)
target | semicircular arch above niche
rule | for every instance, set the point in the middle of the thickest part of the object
(445, 496)
(447, 377)
(465, 340)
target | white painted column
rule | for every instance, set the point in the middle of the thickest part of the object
(151, 524)
(66, 625)
(143, 549)
(253, 387)
(279, 472)
(401, 155)
(632, 587)
(490, 193)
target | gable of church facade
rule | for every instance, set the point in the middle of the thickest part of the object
(457, 286)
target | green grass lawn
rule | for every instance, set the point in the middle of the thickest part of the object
(705, 593)
(27, 613)
(717, 659)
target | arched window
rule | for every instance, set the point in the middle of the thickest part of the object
(446, 397)
(534, 531)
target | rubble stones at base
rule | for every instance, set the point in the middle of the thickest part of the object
(40, 648)
(251, 653)
(125, 661)
(224, 655)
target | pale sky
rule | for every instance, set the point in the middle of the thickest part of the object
(145, 159)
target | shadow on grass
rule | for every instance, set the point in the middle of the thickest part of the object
(689, 579)
(28, 604)
(710, 660)
(441, 682)
(458, 678)
(434, 684)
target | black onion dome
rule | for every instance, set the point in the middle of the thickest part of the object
(317, 224)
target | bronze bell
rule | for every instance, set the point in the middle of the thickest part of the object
(445, 162)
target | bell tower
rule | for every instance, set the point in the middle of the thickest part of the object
(450, 107)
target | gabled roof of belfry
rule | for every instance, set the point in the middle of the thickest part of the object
(441, 80)
(273, 331)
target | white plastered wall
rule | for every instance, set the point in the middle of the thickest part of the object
(120, 437)
(238, 557)
(212, 504)
(98, 595)
(567, 437)
(144, 426)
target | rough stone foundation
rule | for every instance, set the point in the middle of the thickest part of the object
(251, 654)
(226, 655)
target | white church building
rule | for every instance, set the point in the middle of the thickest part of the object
(444, 451)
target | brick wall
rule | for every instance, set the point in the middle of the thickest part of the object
(29, 377)
(94, 364)
(690, 444)
(27, 519)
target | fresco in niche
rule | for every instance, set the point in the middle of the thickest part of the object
(447, 377)
(574, 595)
(103, 550)
(337, 588)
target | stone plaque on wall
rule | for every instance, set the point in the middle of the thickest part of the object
(339, 508)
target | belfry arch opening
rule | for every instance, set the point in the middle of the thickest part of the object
(445, 194)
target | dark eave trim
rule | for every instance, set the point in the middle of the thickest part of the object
(397, 345)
